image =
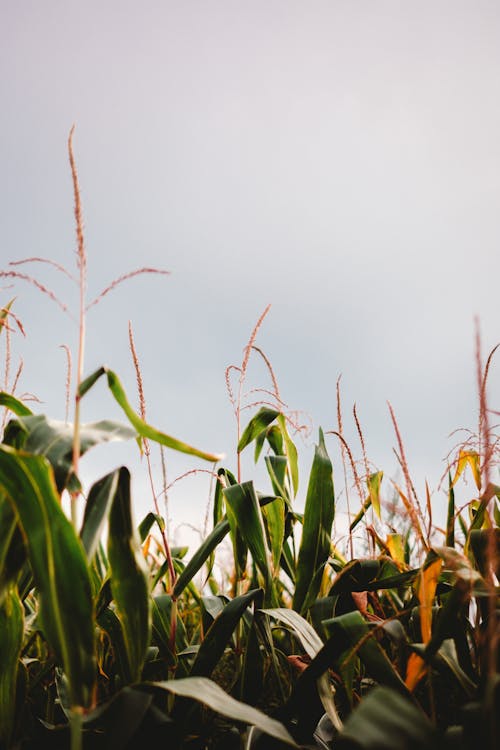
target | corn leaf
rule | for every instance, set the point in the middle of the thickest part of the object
(312, 645)
(256, 426)
(384, 719)
(427, 584)
(291, 454)
(316, 533)
(245, 517)
(13, 403)
(129, 577)
(219, 634)
(53, 439)
(450, 521)
(59, 568)
(12, 548)
(352, 630)
(274, 518)
(468, 458)
(11, 629)
(373, 482)
(205, 691)
(97, 509)
(201, 555)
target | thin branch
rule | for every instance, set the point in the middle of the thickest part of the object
(39, 286)
(124, 277)
(49, 262)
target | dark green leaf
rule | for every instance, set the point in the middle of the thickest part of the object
(256, 426)
(97, 509)
(205, 691)
(54, 440)
(129, 577)
(219, 634)
(450, 523)
(146, 431)
(11, 630)
(59, 568)
(351, 630)
(245, 517)
(316, 533)
(12, 403)
(200, 556)
(385, 720)
(12, 548)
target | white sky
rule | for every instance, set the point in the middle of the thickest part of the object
(340, 160)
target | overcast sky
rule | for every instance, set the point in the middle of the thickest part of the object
(340, 160)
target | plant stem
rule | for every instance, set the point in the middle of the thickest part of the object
(75, 726)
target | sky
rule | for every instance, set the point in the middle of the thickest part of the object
(337, 160)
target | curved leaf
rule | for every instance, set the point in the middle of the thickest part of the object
(218, 635)
(256, 426)
(245, 518)
(11, 629)
(200, 556)
(59, 568)
(312, 645)
(54, 439)
(97, 509)
(386, 720)
(12, 548)
(205, 691)
(129, 582)
(13, 403)
(143, 428)
(316, 533)
(352, 631)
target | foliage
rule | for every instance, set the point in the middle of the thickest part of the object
(110, 637)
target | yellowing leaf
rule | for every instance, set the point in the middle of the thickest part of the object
(426, 592)
(468, 458)
(395, 545)
(373, 483)
(415, 670)
(146, 546)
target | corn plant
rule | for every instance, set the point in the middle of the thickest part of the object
(112, 637)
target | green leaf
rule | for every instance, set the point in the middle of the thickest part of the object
(59, 568)
(146, 524)
(256, 426)
(245, 517)
(53, 439)
(4, 313)
(146, 431)
(97, 509)
(205, 691)
(312, 645)
(12, 403)
(274, 517)
(291, 454)
(219, 634)
(129, 577)
(119, 719)
(12, 548)
(201, 555)
(316, 533)
(352, 631)
(11, 629)
(163, 613)
(386, 720)
(110, 624)
(450, 523)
